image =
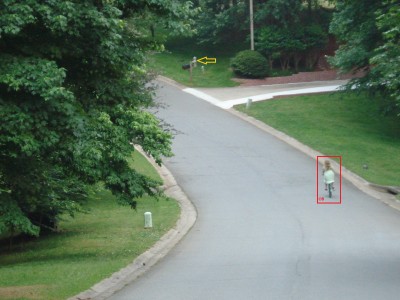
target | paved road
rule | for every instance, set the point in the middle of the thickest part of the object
(260, 234)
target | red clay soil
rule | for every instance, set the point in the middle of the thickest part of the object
(299, 77)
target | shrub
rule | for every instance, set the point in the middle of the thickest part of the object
(250, 64)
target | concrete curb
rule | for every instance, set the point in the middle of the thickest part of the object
(145, 261)
(382, 193)
(171, 82)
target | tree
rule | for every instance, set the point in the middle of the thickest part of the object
(386, 59)
(314, 39)
(290, 35)
(369, 33)
(178, 19)
(72, 97)
(268, 41)
(280, 42)
(354, 26)
(281, 13)
(222, 21)
(225, 22)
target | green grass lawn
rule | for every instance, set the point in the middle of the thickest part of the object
(181, 51)
(169, 64)
(349, 125)
(88, 248)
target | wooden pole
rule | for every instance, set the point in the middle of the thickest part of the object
(251, 26)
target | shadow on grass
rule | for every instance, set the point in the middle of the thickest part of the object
(39, 250)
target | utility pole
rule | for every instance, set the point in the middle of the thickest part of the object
(251, 26)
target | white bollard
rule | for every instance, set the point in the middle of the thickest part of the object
(148, 222)
(248, 103)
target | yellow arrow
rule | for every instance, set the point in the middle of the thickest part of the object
(205, 60)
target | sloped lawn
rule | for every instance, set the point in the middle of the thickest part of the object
(89, 247)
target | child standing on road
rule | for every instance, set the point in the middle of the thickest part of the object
(329, 176)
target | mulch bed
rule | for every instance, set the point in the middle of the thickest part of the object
(299, 77)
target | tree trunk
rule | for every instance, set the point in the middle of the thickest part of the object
(270, 62)
(11, 238)
(312, 59)
(152, 31)
(296, 60)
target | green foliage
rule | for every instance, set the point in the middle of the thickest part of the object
(281, 13)
(154, 30)
(280, 42)
(354, 25)
(12, 218)
(72, 98)
(250, 64)
(369, 31)
(175, 16)
(219, 23)
(386, 60)
(290, 34)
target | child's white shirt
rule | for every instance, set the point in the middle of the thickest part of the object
(329, 176)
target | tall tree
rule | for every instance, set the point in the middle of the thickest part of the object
(72, 98)
(355, 26)
(222, 21)
(386, 59)
(281, 13)
(369, 33)
(285, 32)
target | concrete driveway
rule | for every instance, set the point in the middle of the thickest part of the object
(228, 97)
(260, 233)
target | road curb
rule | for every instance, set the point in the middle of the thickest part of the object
(382, 193)
(145, 261)
(171, 82)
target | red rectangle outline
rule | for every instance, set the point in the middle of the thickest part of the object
(340, 179)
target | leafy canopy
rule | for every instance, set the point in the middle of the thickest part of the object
(369, 31)
(72, 97)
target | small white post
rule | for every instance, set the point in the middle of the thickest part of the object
(249, 101)
(148, 222)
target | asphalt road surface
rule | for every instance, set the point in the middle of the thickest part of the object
(260, 233)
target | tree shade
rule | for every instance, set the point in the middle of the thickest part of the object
(72, 98)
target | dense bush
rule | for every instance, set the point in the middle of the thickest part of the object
(250, 64)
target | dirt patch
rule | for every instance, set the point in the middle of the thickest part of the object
(28, 291)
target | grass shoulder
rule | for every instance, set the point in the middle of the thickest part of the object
(88, 248)
(347, 124)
